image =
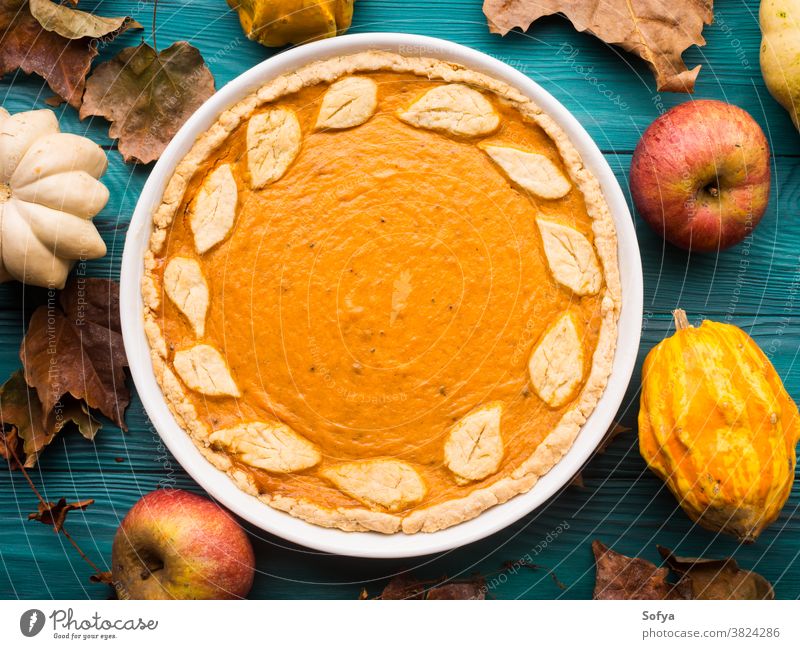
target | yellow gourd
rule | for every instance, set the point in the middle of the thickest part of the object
(780, 52)
(279, 22)
(717, 425)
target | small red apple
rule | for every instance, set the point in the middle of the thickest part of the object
(700, 175)
(176, 545)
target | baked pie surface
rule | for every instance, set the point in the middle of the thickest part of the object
(382, 293)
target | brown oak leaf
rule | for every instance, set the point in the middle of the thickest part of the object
(621, 577)
(717, 578)
(408, 587)
(657, 31)
(74, 350)
(147, 96)
(56, 513)
(54, 41)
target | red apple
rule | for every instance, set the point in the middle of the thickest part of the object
(700, 175)
(176, 545)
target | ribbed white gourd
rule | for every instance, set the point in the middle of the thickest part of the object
(49, 193)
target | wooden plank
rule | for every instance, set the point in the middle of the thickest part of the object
(632, 515)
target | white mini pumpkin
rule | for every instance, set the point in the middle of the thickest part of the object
(49, 193)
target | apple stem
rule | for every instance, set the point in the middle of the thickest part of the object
(681, 321)
(714, 191)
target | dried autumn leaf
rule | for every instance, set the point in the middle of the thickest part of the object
(621, 577)
(147, 96)
(657, 31)
(55, 514)
(717, 578)
(21, 414)
(78, 413)
(72, 23)
(408, 587)
(612, 433)
(10, 447)
(76, 350)
(22, 421)
(39, 46)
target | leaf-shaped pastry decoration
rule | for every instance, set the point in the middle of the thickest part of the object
(571, 258)
(348, 102)
(273, 142)
(658, 31)
(455, 109)
(474, 448)
(556, 364)
(203, 369)
(214, 209)
(186, 287)
(533, 172)
(270, 446)
(391, 484)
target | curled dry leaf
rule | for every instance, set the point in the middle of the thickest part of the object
(23, 426)
(22, 421)
(10, 447)
(72, 23)
(621, 577)
(54, 41)
(147, 96)
(55, 514)
(717, 578)
(409, 587)
(612, 433)
(657, 31)
(75, 351)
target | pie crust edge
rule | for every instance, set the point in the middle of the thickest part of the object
(558, 441)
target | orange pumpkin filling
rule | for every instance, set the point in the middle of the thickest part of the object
(392, 281)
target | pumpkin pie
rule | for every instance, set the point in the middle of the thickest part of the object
(382, 293)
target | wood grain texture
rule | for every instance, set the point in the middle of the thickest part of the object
(754, 286)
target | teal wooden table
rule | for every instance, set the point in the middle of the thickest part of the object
(754, 286)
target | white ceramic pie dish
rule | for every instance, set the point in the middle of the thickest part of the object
(367, 544)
